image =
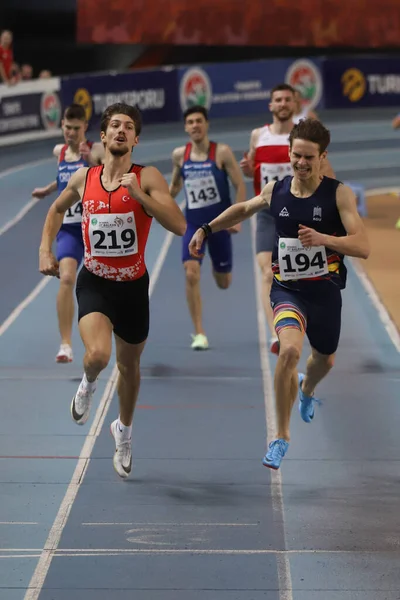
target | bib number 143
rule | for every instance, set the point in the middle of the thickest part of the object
(298, 262)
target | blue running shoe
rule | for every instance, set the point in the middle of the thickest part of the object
(306, 404)
(277, 450)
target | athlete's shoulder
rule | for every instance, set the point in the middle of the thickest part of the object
(57, 150)
(255, 134)
(149, 174)
(267, 191)
(178, 154)
(221, 147)
(343, 191)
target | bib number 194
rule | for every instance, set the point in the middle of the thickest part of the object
(298, 262)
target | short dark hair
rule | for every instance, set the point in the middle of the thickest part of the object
(196, 109)
(120, 108)
(75, 111)
(282, 87)
(311, 130)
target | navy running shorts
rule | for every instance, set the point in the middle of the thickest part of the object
(219, 248)
(316, 312)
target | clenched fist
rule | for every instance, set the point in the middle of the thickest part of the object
(309, 237)
(84, 151)
(48, 264)
(40, 192)
(196, 243)
(130, 182)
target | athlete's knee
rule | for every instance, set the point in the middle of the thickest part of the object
(67, 279)
(289, 354)
(97, 358)
(129, 371)
(266, 274)
(326, 359)
(192, 270)
(223, 280)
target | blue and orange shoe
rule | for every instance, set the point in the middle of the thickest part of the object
(306, 403)
(277, 450)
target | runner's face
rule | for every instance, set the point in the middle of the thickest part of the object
(196, 127)
(6, 39)
(282, 105)
(305, 159)
(120, 137)
(74, 131)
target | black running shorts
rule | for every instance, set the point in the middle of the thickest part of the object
(125, 303)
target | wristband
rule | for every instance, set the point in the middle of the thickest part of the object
(207, 229)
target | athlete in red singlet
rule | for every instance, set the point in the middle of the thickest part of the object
(268, 160)
(119, 200)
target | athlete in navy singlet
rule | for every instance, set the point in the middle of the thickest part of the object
(204, 169)
(76, 153)
(317, 224)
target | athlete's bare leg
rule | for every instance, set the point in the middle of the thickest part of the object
(286, 378)
(128, 362)
(264, 260)
(96, 333)
(223, 280)
(193, 296)
(318, 367)
(65, 298)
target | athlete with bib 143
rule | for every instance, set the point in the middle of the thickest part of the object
(317, 224)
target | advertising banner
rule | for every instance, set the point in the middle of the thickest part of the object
(153, 92)
(30, 110)
(240, 89)
(356, 82)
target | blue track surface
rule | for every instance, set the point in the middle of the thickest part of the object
(200, 518)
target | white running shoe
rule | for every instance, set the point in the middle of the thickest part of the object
(122, 459)
(64, 354)
(81, 402)
(199, 342)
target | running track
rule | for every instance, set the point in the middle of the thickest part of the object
(200, 518)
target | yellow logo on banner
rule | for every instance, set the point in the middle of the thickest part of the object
(354, 84)
(83, 97)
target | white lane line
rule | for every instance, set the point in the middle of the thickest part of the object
(27, 207)
(28, 300)
(19, 216)
(383, 314)
(18, 523)
(19, 556)
(51, 545)
(282, 560)
(175, 524)
(24, 166)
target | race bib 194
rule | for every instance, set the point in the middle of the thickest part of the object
(113, 234)
(73, 214)
(274, 172)
(298, 262)
(201, 192)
